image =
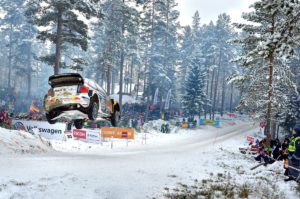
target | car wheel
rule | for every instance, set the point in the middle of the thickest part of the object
(49, 117)
(93, 111)
(115, 118)
(78, 124)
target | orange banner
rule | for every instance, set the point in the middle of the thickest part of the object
(119, 133)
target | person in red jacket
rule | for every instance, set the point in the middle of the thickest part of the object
(4, 117)
(1, 117)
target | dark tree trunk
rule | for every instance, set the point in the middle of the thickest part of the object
(223, 94)
(108, 72)
(131, 76)
(211, 92)
(121, 64)
(58, 41)
(108, 80)
(231, 95)
(207, 92)
(9, 58)
(113, 75)
(29, 70)
(121, 77)
(216, 87)
(137, 83)
(270, 87)
(150, 64)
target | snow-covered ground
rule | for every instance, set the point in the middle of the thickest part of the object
(12, 142)
(137, 169)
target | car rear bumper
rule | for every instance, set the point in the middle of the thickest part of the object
(76, 102)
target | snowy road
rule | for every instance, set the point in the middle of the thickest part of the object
(131, 173)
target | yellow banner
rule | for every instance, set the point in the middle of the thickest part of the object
(209, 121)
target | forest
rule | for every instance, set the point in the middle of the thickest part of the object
(138, 47)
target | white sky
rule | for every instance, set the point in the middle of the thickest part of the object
(210, 9)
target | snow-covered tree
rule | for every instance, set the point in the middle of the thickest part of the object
(115, 42)
(10, 27)
(186, 52)
(269, 43)
(61, 23)
(194, 99)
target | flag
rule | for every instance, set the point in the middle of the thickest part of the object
(167, 104)
(155, 99)
(34, 109)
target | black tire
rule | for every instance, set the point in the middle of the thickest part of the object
(49, 117)
(93, 110)
(115, 118)
(78, 124)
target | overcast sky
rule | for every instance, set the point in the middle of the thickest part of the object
(210, 9)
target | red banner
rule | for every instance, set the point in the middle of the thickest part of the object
(81, 134)
(251, 139)
(231, 115)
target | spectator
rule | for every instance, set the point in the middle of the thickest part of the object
(162, 128)
(167, 129)
(1, 117)
(294, 159)
(276, 149)
(264, 153)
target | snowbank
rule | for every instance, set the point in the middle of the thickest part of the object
(226, 173)
(12, 141)
(155, 126)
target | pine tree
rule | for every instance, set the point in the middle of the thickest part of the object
(193, 100)
(60, 24)
(170, 51)
(268, 44)
(224, 54)
(10, 27)
(186, 52)
(291, 114)
(115, 42)
(208, 49)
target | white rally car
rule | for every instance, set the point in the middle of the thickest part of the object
(78, 99)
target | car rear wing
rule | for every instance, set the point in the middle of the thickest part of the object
(65, 79)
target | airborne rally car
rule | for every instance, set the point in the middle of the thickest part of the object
(78, 99)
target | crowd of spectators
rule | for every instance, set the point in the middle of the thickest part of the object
(288, 151)
(134, 115)
(17, 107)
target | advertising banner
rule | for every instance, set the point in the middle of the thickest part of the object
(93, 135)
(79, 134)
(251, 139)
(46, 130)
(120, 133)
(217, 122)
(88, 135)
(202, 121)
(155, 99)
(168, 99)
(209, 122)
